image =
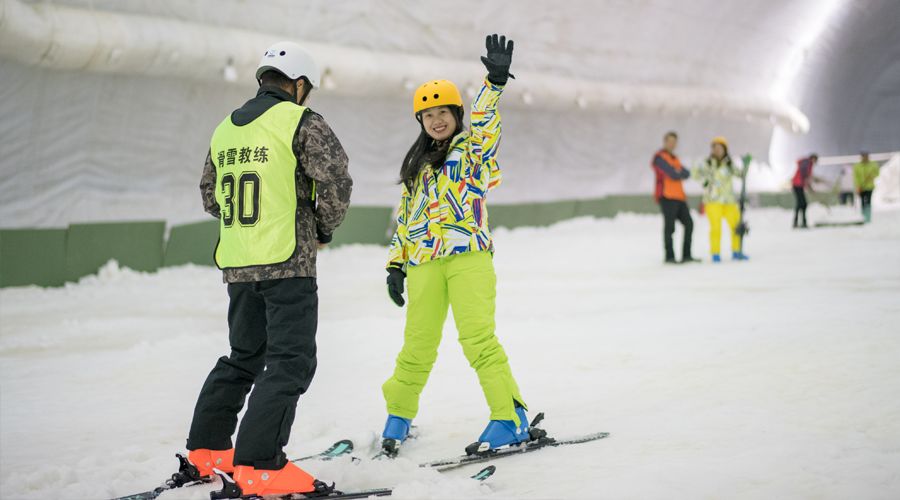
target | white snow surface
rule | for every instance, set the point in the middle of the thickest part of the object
(774, 378)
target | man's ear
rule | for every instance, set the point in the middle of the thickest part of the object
(303, 90)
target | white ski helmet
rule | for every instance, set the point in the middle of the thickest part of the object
(289, 59)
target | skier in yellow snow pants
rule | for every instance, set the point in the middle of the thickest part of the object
(717, 175)
(467, 283)
(715, 212)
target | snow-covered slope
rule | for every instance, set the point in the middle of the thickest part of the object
(776, 378)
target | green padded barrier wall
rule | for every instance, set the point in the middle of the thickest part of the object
(692, 200)
(364, 225)
(553, 212)
(192, 244)
(786, 200)
(598, 207)
(506, 215)
(828, 198)
(195, 243)
(136, 245)
(531, 214)
(783, 200)
(32, 257)
(53, 256)
(641, 204)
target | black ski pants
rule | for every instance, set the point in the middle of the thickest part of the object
(799, 206)
(673, 210)
(866, 198)
(272, 331)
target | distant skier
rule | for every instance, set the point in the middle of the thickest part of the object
(443, 246)
(717, 174)
(802, 181)
(864, 174)
(670, 196)
(276, 177)
(847, 185)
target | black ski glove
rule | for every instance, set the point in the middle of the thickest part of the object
(498, 59)
(323, 238)
(395, 285)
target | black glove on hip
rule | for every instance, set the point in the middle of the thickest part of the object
(498, 59)
(395, 285)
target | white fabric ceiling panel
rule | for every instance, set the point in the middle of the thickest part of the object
(79, 145)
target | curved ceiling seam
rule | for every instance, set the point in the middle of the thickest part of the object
(353, 66)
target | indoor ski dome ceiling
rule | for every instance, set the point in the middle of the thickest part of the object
(598, 83)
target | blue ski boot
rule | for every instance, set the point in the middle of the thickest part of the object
(739, 256)
(716, 258)
(396, 430)
(500, 433)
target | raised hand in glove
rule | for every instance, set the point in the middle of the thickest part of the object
(498, 59)
(395, 285)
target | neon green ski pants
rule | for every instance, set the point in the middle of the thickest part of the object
(467, 283)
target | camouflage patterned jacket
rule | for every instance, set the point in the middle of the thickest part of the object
(320, 157)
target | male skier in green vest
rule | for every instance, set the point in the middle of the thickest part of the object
(276, 178)
(864, 174)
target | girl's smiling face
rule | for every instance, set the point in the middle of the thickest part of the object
(439, 122)
(718, 151)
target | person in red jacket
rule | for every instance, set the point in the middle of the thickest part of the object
(671, 199)
(802, 180)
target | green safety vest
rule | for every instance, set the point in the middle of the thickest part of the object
(864, 174)
(257, 188)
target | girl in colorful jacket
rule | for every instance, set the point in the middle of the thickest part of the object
(443, 247)
(717, 174)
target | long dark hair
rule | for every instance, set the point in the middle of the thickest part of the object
(726, 159)
(427, 151)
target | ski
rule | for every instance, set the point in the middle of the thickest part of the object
(338, 449)
(742, 228)
(539, 440)
(544, 442)
(484, 473)
(323, 491)
(187, 474)
(840, 224)
(230, 490)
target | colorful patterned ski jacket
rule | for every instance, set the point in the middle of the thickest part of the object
(446, 212)
(718, 180)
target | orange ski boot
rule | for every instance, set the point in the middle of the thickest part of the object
(206, 460)
(290, 479)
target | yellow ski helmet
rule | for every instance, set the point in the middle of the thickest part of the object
(720, 140)
(436, 93)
